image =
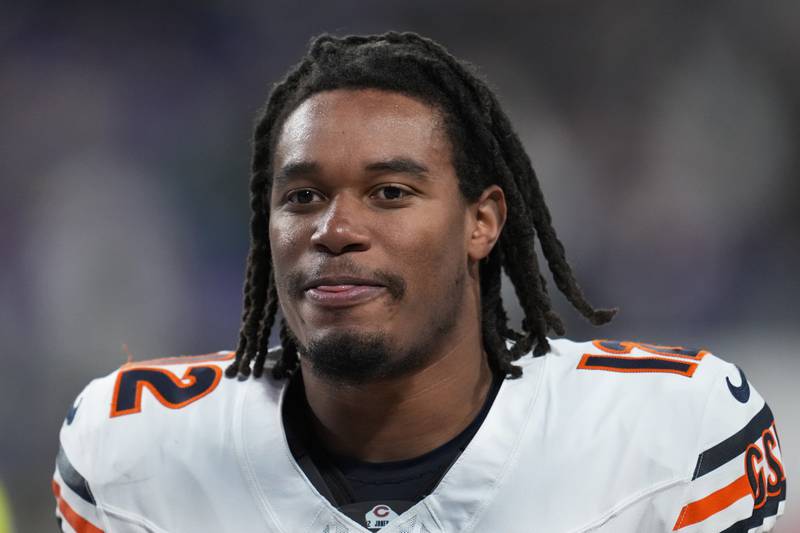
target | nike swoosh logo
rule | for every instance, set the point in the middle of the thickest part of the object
(742, 392)
(72, 410)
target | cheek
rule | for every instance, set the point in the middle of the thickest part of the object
(285, 239)
(435, 254)
(286, 246)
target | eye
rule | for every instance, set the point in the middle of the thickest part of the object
(391, 192)
(303, 196)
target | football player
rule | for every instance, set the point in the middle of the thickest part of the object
(389, 193)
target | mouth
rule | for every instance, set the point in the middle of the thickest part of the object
(342, 291)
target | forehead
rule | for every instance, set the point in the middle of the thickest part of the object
(361, 122)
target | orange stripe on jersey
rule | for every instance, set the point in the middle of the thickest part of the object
(715, 502)
(78, 523)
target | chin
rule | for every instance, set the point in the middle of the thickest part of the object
(354, 357)
(349, 355)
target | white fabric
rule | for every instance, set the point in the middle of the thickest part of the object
(562, 449)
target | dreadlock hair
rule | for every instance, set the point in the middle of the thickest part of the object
(486, 151)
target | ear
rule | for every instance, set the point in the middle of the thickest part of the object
(487, 215)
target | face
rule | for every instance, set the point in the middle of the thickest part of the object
(372, 242)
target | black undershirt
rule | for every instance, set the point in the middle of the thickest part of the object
(355, 486)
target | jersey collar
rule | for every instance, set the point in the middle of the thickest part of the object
(290, 503)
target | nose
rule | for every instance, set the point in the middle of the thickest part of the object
(341, 228)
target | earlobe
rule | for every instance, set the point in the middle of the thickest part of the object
(488, 217)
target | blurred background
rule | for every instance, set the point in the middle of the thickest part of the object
(665, 134)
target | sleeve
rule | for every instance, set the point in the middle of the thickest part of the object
(738, 483)
(76, 506)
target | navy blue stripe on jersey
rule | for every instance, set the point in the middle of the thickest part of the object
(735, 445)
(72, 478)
(770, 508)
(636, 363)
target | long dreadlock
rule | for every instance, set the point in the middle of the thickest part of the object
(485, 149)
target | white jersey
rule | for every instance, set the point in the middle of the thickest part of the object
(598, 436)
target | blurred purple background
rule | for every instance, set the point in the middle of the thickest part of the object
(662, 131)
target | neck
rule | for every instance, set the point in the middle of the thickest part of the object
(403, 417)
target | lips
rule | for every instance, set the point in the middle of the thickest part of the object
(342, 291)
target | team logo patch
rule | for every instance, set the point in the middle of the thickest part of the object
(762, 476)
(764, 470)
(379, 516)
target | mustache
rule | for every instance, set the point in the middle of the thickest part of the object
(297, 279)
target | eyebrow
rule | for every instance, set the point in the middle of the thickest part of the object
(295, 170)
(400, 165)
(395, 165)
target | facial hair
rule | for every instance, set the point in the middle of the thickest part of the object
(352, 357)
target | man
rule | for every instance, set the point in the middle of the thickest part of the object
(388, 193)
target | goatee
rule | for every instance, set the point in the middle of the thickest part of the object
(354, 358)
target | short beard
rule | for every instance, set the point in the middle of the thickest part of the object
(356, 358)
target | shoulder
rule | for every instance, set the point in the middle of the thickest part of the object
(148, 429)
(684, 410)
(147, 388)
(711, 394)
(154, 408)
(630, 368)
